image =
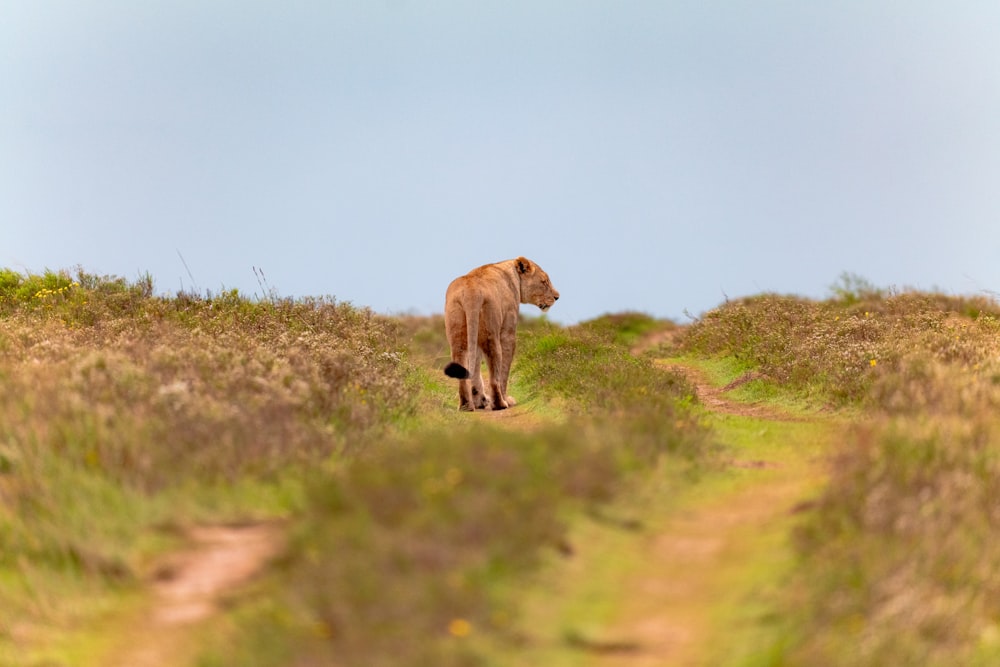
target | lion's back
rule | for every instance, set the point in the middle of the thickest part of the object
(489, 283)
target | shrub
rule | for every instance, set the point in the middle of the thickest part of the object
(897, 561)
(628, 328)
(837, 349)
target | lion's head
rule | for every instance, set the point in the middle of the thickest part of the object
(536, 288)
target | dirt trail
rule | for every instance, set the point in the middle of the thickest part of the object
(715, 399)
(189, 586)
(519, 417)
(695, 561)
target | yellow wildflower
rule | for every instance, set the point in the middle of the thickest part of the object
(459, 627)
(453, 477)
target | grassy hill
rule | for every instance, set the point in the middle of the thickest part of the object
(897, 561)
(407, 533)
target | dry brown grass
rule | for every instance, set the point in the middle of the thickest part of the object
(837, 349)
(121, 409)
(154, 390)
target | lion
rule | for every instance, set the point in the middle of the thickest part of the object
(480, 312)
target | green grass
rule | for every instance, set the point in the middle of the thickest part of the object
(572, 614)
(575, 597)
(750, 615)
(629, 328)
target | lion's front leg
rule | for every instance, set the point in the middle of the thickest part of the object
(508, 345)
(499, 401)
(494, 359)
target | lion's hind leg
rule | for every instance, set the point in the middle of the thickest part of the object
(466, 402)
(480, 399)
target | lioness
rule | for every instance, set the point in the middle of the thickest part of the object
(480, 314)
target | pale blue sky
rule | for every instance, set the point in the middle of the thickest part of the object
(652, 156)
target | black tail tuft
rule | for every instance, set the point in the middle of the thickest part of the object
(456, 370)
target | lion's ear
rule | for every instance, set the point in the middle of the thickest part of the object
(524, 266)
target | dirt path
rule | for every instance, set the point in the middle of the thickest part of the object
(715, 398)
(189, 586)
(708, 561)
(519, 417)
(690, 585)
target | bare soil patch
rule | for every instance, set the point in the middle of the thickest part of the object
(190, 585)
(715, 399)
(668, 617)
(519, 417)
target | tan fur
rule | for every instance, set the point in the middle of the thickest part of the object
(480, 313)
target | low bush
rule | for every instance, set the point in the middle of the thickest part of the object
(629, 328)
(899, 560)
(836, 349)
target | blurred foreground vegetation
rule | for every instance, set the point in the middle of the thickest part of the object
(128, 416)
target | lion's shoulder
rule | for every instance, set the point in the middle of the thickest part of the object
(489, 280)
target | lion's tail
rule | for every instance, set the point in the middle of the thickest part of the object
(463, 352)
(456, 370)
